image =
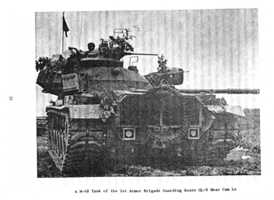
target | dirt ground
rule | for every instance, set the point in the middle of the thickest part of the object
(45, 166)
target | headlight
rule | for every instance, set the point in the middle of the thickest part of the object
(128, 133)
(193, 133)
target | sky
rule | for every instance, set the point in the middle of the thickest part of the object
(219, 48)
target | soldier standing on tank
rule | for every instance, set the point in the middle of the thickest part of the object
(162, 64)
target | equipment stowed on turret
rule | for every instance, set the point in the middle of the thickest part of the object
(165, 76)
(107, 116)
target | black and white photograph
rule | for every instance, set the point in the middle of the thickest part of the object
(149, 93)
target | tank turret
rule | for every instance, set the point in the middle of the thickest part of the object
(82, 71)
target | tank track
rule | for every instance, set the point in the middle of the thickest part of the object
(75, 153)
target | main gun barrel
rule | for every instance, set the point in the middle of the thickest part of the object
(140, 54)
(221, 91)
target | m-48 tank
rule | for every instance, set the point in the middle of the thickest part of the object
(108, 116)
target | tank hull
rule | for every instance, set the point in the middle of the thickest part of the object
(82, 144)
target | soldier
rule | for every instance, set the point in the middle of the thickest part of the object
(91, 46)
(162, 64)
(104, 48)
(91, 50)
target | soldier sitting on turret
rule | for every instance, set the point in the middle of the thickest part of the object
(91, 50)
(115, 48)
(118, 46)
(122, 43)
(91, 46)
(73, 61)
(104, 48)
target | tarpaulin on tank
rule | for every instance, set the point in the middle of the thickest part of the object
(85, 111)
(92, 111)
(236, 110)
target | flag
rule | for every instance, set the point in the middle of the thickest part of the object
(65, 27)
